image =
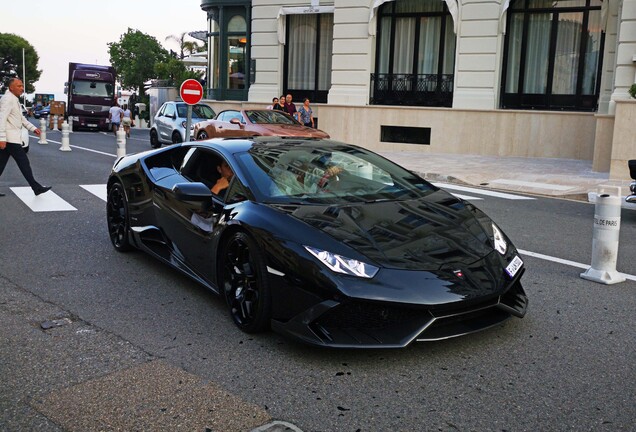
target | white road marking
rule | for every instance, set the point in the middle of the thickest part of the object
(466, 197)
(84, 148)
(46, 202)
(482, 192)
(535, 185)
(99, 190)
(566, 262)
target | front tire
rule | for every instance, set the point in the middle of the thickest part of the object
(154, 139)
(202, 136)
(244, 283)
(117, 216)
(176, 137)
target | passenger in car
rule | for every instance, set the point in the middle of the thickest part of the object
(223, 182)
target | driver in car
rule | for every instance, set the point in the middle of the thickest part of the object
(223, 182)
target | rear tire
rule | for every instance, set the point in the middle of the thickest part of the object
(202, 136)
(117, 216)
(244, 285)
(154, 139)
(176, 137)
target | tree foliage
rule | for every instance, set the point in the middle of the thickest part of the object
(135, 57)
(175, 72)
(11, 46)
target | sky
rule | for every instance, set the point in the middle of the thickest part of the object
(64, 31)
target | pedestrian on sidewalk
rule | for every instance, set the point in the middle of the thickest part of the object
(11, 123)
(290, 107)
(306, 114)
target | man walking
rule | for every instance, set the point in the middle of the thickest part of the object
(11, 122)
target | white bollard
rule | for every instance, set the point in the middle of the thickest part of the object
(121, 142)
(65, 139)
(43, 131)
(607, 225)
(55, 120)
(70, 124)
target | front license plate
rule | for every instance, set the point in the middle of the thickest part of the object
(514, 266)
(91, 125)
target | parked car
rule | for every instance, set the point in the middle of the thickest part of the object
(322, 241)
(170, 122)
(242, 123)
(41, 111)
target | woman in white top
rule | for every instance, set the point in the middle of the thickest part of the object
(127, 120)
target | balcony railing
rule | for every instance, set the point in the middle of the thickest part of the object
(413, 90)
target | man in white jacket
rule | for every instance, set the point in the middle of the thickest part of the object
(11, 122)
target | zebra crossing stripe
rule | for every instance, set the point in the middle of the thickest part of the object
(99, 190)
(46, 202)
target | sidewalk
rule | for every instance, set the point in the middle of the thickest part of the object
(564, 178)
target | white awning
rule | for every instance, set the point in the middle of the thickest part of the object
(451, 4)
(311, 9)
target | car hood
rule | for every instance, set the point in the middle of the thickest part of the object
(293, 130)
(429, 233)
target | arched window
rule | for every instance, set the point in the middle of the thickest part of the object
(552, 55)
(415, 54)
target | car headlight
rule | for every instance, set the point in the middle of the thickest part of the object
(340, 264)
(500, 243)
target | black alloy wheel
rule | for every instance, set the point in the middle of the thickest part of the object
(244, 283)
(176, 137)
(202, 135)
(154, 139)
(117, 215)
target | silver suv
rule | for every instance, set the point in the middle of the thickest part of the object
(170, 122)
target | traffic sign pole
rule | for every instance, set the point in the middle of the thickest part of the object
(188, 123)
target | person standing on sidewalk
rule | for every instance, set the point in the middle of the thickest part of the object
(11, 123)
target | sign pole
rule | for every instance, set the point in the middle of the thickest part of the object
(188, 123)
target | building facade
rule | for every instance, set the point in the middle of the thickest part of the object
(529, 78)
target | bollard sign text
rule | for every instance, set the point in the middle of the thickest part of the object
(607, 222)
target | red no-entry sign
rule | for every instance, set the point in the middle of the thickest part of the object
(191, 91)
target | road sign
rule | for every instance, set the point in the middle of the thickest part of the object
(191, 91)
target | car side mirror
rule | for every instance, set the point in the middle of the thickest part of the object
(192, 192)
(173, 116)
(236, 121)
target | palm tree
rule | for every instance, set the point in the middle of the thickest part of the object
(185, 47)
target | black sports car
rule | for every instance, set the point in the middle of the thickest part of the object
(320, 240)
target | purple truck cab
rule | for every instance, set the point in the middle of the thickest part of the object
(91, 92)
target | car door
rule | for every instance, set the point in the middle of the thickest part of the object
(189, 226)
(225, 127)
(164, 128)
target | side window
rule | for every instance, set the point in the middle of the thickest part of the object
(169, 111)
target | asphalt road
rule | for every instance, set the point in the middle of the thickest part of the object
(136, 346)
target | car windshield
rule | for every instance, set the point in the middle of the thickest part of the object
(200, 111)
(93, 88)
(269, 117)
(328, 174)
